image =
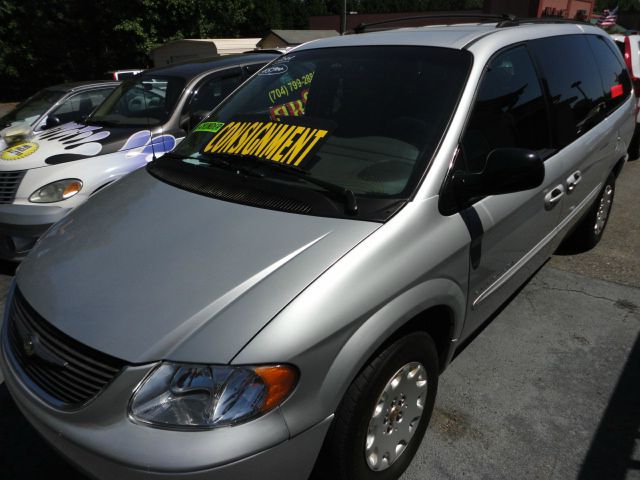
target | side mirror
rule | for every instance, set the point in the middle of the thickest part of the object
(52, 121)
(507, 170)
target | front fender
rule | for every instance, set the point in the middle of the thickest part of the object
(330, 360)
(417, 260)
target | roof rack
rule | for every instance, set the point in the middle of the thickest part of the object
(481, 16)
(520, 21)
(503, 20)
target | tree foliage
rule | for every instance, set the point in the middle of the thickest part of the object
(623, 5)
(44, 43)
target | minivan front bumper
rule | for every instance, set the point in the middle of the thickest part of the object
(103, 441)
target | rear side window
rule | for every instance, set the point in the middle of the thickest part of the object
(574, 85)
(510, 110)
(213, 90)
(615, 78)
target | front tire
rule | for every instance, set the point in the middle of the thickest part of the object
(384, 414)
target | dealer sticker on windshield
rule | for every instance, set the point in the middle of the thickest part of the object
(291, 142)
(213, 127)
(19, 151)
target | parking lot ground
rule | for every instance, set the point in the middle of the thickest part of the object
(549, 390)
(617, 257)
(551, 383)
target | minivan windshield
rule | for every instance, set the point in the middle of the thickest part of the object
(140, 101)
(366, 119)
(33, 108)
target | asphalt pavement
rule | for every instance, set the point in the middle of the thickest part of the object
(549, 390)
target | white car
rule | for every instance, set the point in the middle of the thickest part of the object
(629, 45)
(43, 175)
(55, 105)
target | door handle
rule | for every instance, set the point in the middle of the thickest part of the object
(573, 180)
(552, 198)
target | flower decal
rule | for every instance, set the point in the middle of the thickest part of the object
(142, 144)
(72, 138)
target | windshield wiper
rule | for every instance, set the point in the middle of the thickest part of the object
(347, 194)
(215, 161)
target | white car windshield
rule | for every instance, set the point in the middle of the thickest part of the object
(33, 108)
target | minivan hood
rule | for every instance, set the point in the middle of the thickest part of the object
(146, 271)
(76, 141)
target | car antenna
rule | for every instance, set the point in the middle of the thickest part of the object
(146, 112)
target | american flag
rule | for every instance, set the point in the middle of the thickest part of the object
(609, 18)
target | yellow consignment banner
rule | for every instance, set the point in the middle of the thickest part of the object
(19, 151)
(275, 141)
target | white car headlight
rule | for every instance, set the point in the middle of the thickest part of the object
(202, 397)
(56, 191)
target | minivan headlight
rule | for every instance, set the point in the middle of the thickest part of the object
(56, 191)
(205, 396)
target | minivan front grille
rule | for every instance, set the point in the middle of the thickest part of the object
(67, 371)
(9, 183)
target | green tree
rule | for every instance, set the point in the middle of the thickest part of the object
(44, 43)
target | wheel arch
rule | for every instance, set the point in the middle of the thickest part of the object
(436, 307)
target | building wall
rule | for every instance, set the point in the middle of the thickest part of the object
(577, 5)
(272, 41)
(191, 49)
(569, 8)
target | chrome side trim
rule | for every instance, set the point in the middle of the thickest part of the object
(535, 250)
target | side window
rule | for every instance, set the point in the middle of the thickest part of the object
(510, 110)
(209, 93)
(98, 96)
(615, 78)
(80, 105)
(574, 85)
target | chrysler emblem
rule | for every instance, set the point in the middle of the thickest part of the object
(33, 348)
(29, 345)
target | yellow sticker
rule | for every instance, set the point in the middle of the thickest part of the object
(278, 142)
(19, 151)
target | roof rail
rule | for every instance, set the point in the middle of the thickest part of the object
(481, 16)
(519, 21)
(503, 20)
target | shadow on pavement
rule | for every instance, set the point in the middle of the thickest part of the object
(610, 455)
(25, 455)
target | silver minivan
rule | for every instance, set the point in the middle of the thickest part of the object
(277, 297)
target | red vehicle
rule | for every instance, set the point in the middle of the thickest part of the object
(629, 45)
